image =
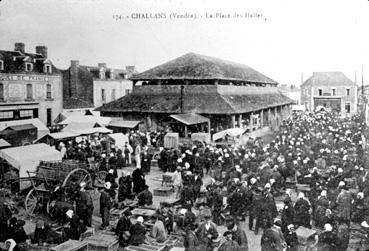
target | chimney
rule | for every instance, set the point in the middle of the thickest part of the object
(73, 82)
(19, 47)
(101, 65)
(41, 49)
(130, 69)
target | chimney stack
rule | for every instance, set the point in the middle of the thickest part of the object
(19, 47)
(101, 65)
(73, 83)
(130, 69)
(41, 49)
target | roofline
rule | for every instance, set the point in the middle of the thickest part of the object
(198, 78)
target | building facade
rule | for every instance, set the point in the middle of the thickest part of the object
(30, 85)
(91, 86)
(332, 90)
(229, 94)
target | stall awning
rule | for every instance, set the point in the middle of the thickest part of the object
(63, 135)
(232, 132)
(124, 123)
(4, 143)
(190, 118)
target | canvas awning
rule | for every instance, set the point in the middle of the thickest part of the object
(94, 130)
(232, 132)
(42, 130)
(4, 143)
(190, 118)
(27, 158)
(124, 123)
(119, 139)
(58, 136)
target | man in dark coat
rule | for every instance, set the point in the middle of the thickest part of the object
(191, 243)
(273, 239)
(145, 197)
(238, 235)
(138, 180)
(291, 238)
(302, 215)
(328, 240)
(206, 234)
(138, 232)
(145, 162)
(105, 205)
(197, 186)
(229, 244)
(84, 205)
(5, 215)
(122, 230)
(288, 214)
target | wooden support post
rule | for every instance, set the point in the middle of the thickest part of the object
(262, 118)
(233, 117)
(186, 131)
(240, 120)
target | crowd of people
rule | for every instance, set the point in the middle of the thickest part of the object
(320, 150)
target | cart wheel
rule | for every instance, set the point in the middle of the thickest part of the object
(50, 209)
(75, 177)
(100, 178)
(31, 201)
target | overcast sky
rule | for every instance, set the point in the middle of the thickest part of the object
(293, 36)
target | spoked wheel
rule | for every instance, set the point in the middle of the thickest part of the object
(75, 177)
(31, 202)
(100, 178)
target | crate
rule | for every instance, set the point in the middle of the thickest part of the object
(147, 247)
(305, 234)
(102, 242)
(163, 191)
(89, 232)
(71, 245)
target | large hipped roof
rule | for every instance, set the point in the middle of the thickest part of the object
(193, 66)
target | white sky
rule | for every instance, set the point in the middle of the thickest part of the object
(297, 35)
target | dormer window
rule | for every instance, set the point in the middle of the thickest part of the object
(29, 66)
(102, 74)
(1, 65)
(47, 68)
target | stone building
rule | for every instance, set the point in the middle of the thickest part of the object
(91, 86)
(332, 90)
(228, 93)
(30, 85)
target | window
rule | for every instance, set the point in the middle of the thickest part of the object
(26, 113)
(1, 65)
(306, 92)
(128, 91)
(347, 91)
(113, 94)
(111, 74)
(320, 92)
(48, 91)
(29, 91)
(47, 68)
(347, 107)
(1, 92)
(29, 67)
(103, 95)
(333, 91)
(6, 115)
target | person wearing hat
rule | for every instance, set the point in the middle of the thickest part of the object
(138, 232)
(16, 230)
(122, 230)
(343, 202)
(229, 244)
(302, 214)
(145, 162)
(5, 215)
(272, 238)
(158, 230)
(291, 238)
(321, 205)
(196, 185)
(105, 205)
(138, 180)
(288, 214)
(76, 227)
(238, 235)
(191, 243)
(84, 205)
(145, 197)
(207, 233)
(327, 240)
